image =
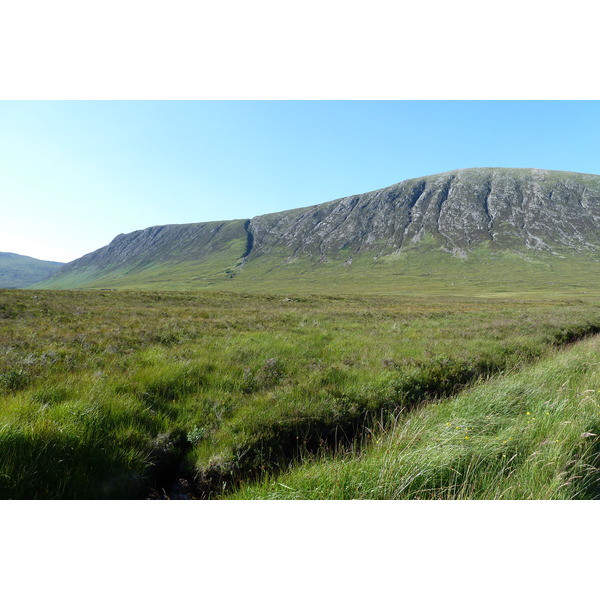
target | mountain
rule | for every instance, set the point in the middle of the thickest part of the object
(17, 271)
(488, 228)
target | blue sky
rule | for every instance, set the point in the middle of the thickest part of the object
(76, 174)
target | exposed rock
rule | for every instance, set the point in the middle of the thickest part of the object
(510, 208)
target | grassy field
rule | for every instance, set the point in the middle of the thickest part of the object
(133, 394)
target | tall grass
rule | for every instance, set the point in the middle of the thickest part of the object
(528, 435)
(123, 394)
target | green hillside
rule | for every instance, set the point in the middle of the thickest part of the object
(17, 271)
(422, 268)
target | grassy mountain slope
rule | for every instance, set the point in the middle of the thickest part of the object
(424, 268)
(492, 230)
(17, 271)
(163, 257)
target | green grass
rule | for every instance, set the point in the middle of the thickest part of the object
(421, 269)
(116, 394)
(528, 435)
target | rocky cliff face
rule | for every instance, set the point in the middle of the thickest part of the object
(508, 208)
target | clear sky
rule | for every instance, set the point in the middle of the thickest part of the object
(76, 174)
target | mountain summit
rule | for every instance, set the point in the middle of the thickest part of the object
(409, 229)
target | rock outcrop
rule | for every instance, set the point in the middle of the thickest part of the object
(509, 208)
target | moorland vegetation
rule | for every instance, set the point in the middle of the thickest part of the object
(115, 394)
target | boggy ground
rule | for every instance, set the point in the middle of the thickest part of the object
(122, 394)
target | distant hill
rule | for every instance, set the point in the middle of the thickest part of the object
(486, 229)
(17, 271)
